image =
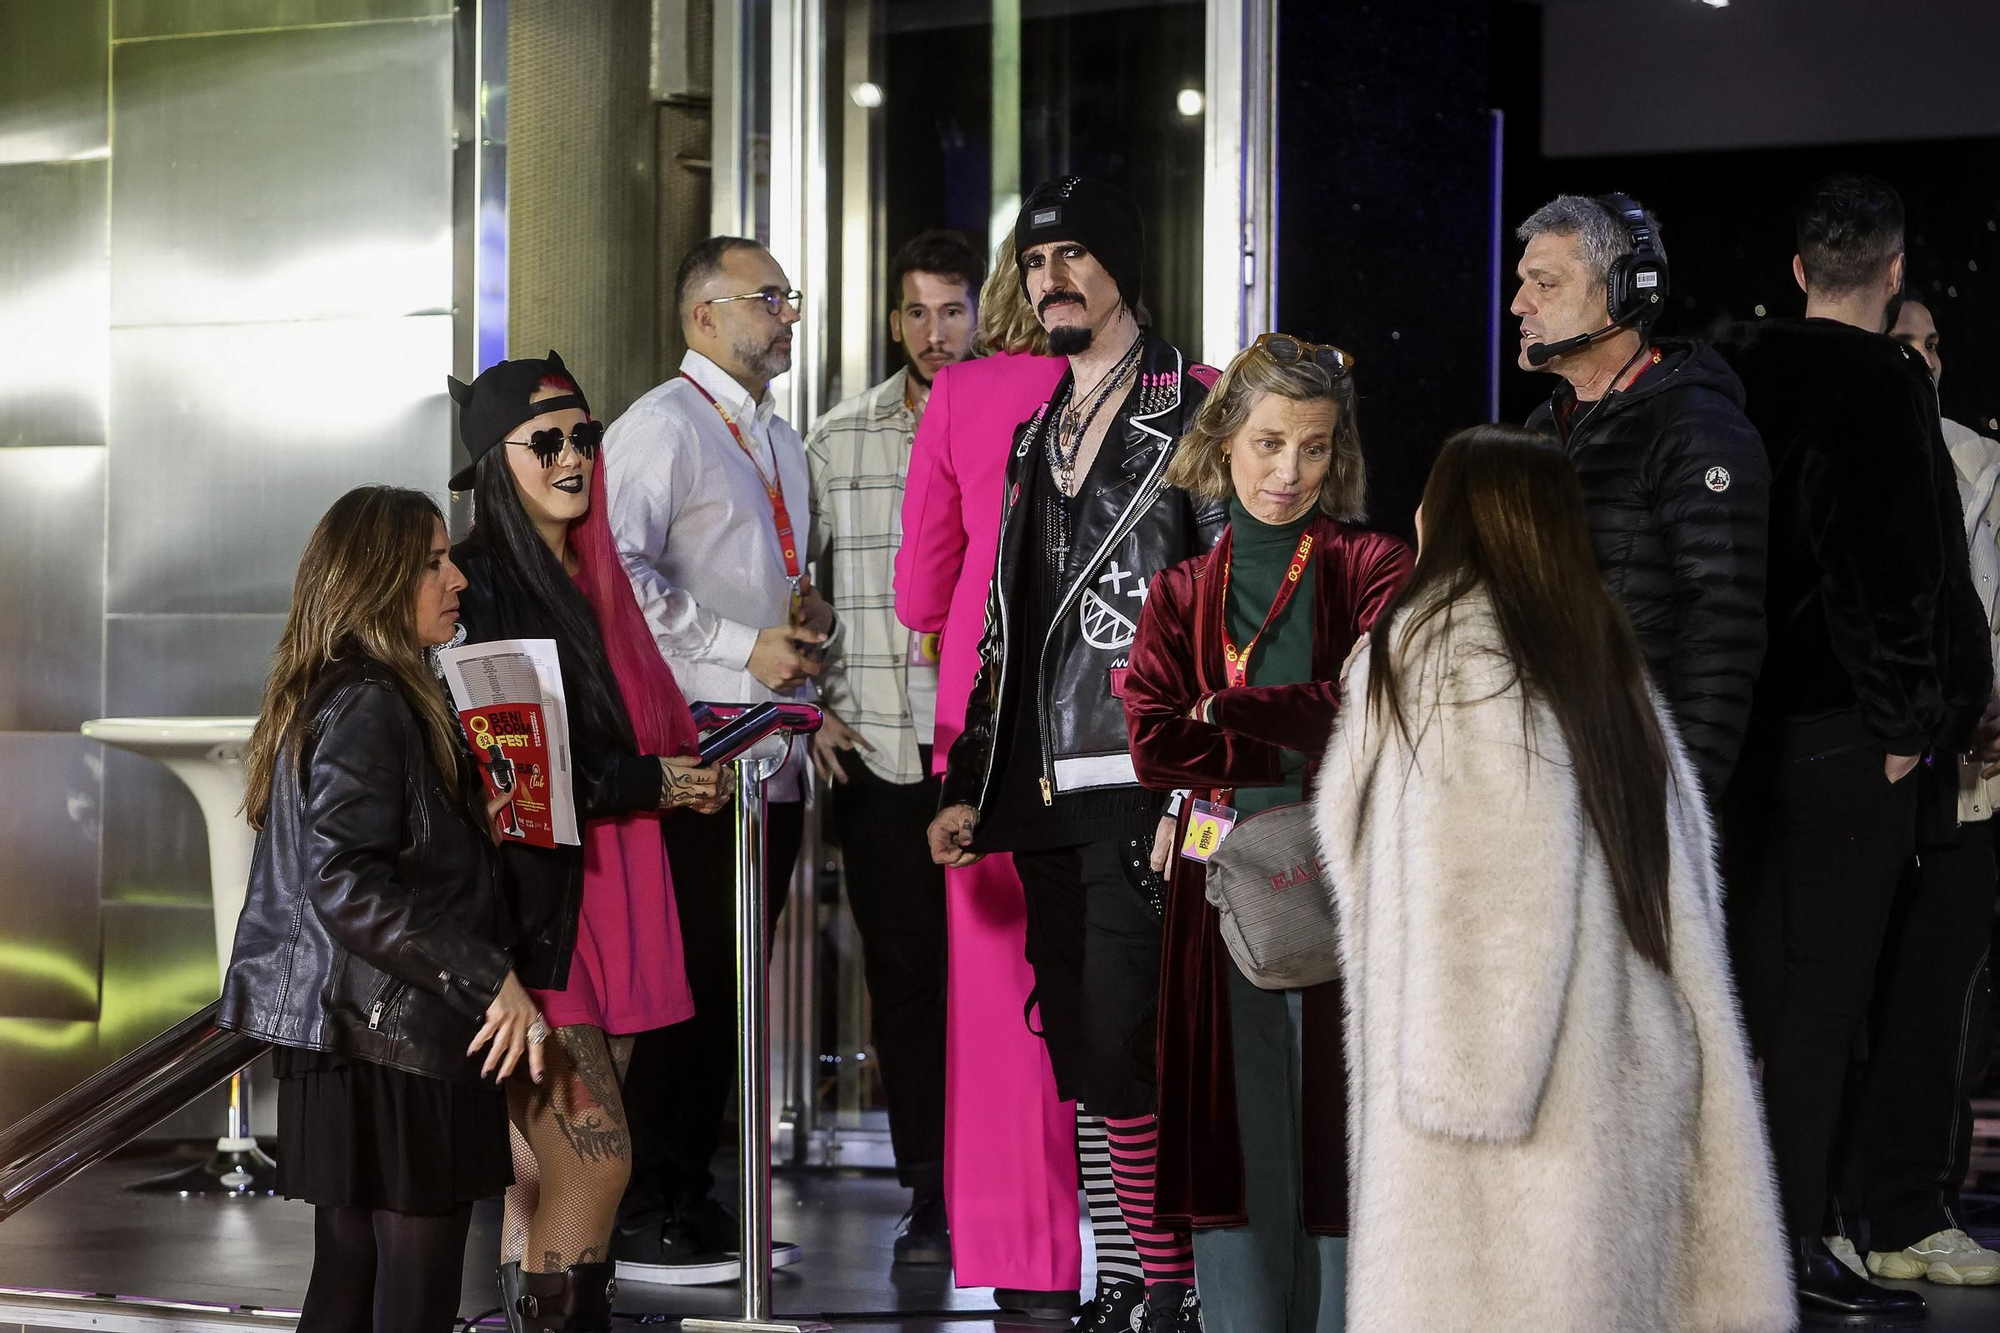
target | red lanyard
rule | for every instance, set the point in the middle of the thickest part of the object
(774, 490)
(1235, 661)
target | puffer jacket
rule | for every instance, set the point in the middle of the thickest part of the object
(1678, 489)
(1131, 530)
(374, 924)
(607, 778)
(1870, 596)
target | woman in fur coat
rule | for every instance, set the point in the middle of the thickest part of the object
(1547, 1068)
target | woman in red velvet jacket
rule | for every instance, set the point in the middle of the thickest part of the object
(1233, 683)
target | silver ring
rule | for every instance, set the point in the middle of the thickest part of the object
(538, 1031)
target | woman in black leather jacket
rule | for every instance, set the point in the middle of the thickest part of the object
(598, 939)
(371, 949)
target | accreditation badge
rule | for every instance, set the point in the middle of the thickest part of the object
(1208, 824)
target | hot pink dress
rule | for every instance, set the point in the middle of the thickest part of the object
(625, 975)
(1010, 1143)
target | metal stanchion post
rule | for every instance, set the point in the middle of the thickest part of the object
(753, 1066)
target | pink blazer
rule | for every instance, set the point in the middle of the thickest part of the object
(951, 512)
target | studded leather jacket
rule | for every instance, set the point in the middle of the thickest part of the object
(1124, 534)
(374, 924)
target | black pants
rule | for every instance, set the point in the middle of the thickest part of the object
(1094, 943)
(1911, 1124)
(1816, 844)
(896, 893)
(681, 1077)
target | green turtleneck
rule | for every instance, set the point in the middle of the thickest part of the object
(1259, 555)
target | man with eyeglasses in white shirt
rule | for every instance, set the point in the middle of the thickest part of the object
(708, 500)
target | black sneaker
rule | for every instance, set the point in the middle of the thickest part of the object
(1118, 1307)
(671, 1254)
(926, 1234)
(1174, 1309)
(713, 1225)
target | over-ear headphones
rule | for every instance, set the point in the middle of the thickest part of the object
(1635, 290)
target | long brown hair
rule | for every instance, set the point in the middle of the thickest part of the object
(1503, 513)
(355, 595)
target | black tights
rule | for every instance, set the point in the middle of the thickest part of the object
(375, 1271)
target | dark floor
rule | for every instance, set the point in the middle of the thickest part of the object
(91, 1235)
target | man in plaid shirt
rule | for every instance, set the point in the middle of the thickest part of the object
(879, 689)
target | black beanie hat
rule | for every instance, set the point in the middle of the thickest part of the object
(497, 401)
(1101, 218)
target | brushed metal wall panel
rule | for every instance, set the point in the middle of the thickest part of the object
(55, 295)
(217, 479)
(53, 95)
(49, 825)
(52, 622)
(159, 967)
(188, 18)
(301, 174)
(155, 843)
(180, 666)
(43, 1057)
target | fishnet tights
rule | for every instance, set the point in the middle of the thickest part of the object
(572, 1153)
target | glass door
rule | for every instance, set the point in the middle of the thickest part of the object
(851, 126)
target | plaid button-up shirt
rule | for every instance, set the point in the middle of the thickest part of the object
(859, 454)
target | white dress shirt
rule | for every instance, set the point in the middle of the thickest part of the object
(694, 528)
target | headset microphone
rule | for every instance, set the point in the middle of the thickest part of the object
(1540, 354)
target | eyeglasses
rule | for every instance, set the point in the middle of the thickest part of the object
(584, 437)
(774, 300)
(1286, 350)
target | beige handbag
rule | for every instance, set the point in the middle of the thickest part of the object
(1268, 883)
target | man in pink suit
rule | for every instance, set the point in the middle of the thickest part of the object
(1010, 1147)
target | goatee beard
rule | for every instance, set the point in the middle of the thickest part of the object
(1069, 340)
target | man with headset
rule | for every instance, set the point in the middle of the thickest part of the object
(1673, 473)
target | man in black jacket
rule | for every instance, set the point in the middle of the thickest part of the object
(1043, 769)
(1878, 658)
(1673, 474)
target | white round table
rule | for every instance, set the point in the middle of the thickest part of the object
(206, 753)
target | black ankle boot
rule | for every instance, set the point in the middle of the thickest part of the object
(1830, 1293)
(1051, 1306)
(576, 1300)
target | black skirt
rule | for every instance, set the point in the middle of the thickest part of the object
(352, 1134)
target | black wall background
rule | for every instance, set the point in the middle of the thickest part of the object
(1384, 218)
(1726, 218)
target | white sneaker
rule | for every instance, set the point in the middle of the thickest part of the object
(1843, 1250)
(1949, 1257)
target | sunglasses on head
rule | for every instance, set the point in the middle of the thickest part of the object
(548, 443)
(1286, 350)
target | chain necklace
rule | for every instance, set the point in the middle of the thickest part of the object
(1073, 423)
(1065, 437)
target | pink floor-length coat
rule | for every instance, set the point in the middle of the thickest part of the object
(1010, 1142)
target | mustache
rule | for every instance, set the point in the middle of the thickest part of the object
(1057, 297)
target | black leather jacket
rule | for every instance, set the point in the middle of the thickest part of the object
(374, 924)
(1132, 529)
(545, 885)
